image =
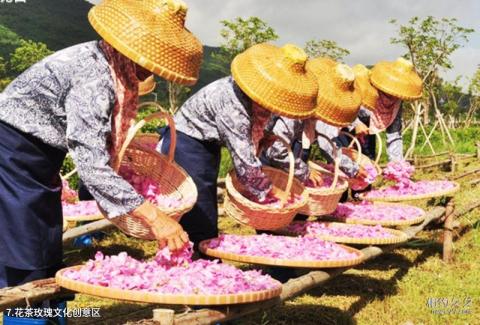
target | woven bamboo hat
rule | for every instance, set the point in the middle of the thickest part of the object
(152, 34)
(276, 79)
(397, 78)
(338, 101)
(147, 86)
(362, 83)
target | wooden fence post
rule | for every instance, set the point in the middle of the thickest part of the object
(447, 232)
(452, 163)
(415, 159)
(478, 150)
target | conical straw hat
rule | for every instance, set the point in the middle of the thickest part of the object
(276, 79)
(147, 86)
(338, 102)
(397, 78)
(362, 84)
(152, 34)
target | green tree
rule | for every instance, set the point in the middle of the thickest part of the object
(240, 34)
(430, 43)
(326, 48)
(4, 80)
(28, 53)
(474, 92)
(8, 41)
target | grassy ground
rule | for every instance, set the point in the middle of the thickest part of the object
(392, 289)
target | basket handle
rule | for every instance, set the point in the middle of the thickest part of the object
(336, 160)
(291, 167)
(135, 128)
(357, 144)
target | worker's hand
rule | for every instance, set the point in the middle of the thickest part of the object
(315, 178)
(166, 230)
(361, 129)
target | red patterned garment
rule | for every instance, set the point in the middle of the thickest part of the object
(126, 90)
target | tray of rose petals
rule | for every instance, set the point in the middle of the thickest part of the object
(273, 213)
(303, 252)
(81, 211)
(169, 278)
(324, 198)
(405, 189)
(378, 213)
(346, 233)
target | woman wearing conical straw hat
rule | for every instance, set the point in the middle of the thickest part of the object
(337, 106)
(383, 89)
(234, 111)
(82, 100)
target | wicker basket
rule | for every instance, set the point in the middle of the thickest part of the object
(152, 297)
(282, 262)
(260, 216)
(172, 179)
(322, 201)
(362, 159)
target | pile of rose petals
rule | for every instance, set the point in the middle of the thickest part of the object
(150, 190)
(412, 189)
(68, 195)
(80, 208)
(170, 274)
(281, 247)
(399, 171)
(366, 210)
(361, 183)
(325, 229)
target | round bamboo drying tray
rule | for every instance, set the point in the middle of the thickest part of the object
(400, 236)
(281, 262)
(150, 297)
(384, 223)
(447, 192)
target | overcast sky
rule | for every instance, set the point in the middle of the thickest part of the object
(360, 26)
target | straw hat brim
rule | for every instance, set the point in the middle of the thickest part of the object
(259, 74)
(405, 85)
(181, 75)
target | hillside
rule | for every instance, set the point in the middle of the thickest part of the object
(59, 24)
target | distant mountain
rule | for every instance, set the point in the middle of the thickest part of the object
(60, 24)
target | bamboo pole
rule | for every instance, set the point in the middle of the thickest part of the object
(427, 140)
(86, 229)
(430, 134)
(474, 171)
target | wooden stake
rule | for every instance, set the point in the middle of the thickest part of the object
(448, 228)
(478, 150)
(452, 163)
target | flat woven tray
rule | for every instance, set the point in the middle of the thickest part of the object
(400, 237)
(282, 262)
(80, 218)
(151, 297)
(386, 223)
(448, 192)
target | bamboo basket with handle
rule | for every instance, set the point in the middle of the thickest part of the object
(172, 180)
(264, 216)
(323, 201)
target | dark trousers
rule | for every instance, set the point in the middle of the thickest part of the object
(201, 160)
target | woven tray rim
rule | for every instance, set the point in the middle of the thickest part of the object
(400, 236)
(150, 297)
(448, 192)
(282, 262)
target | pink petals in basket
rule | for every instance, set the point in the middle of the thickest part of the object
(68, 195)
(379, 212)
(170, 275)
(346, 230)
(150, 190)
(281, 247)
